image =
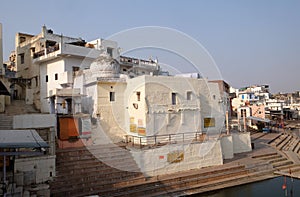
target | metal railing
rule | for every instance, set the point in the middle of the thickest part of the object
(161, 140)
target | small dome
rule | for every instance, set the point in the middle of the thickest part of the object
(105, 66)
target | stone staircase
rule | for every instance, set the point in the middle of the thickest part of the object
(83, 172)
(275, 159)
(286, 142)
(180, 183)
(18, 107)
(6, 122)
(86, 171)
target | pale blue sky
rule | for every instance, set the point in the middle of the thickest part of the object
(252, 42)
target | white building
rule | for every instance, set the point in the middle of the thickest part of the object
(150, 110)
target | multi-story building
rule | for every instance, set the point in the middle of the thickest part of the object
(48, 61)
(149, 104)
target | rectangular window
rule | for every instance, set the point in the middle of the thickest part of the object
(22, 39)
(56, 76)
(209, 122)
(109, 51)
(46, 78)
(22, 57)
(37, 81)
(173, 98)
(189, 95)
(138, 96)
(111, 96)
(75, 69)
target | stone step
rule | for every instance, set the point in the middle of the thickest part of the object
(87, 156)
(141, 187)
(90, 160)
(290, 144)
(291, 168)
(102, 177)
(278, 140)
(271, 158)
(265, 155)
(177, 184)
(215, 185)
(294, 144)
(257, 136)
(277, 160)
(282, 163)
(6, 122)
(297, 149)
(65, 172)
(271, 142)
(88, 185)
(285, 142)
(85, 169)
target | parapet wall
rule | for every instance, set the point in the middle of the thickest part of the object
(34, 121)
(241, 142)
(178, 157)
(235, 143)
(227, 146)
(36, 169)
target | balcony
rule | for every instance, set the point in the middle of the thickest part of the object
(48, 50)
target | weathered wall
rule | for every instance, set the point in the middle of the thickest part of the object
(2, 103)
(34, 121)
(49, 69)
(111, 113)
(7, 100)
(163, 117)
(241, 142)
(154, 162)
(41, 168)
(29, 96)
(135, 113)
(227, 147)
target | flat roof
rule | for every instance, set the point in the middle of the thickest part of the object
(21, 139)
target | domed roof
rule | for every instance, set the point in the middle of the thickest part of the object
(105, 66)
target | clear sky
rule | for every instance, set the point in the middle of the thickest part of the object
(252, 42)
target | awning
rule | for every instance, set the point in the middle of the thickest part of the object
(21, 139)
(258, 119)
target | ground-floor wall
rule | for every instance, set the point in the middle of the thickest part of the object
(241, 142)
(227, 146)
(178, 157)
(36, 169)
(235, 143)
(4, 101)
